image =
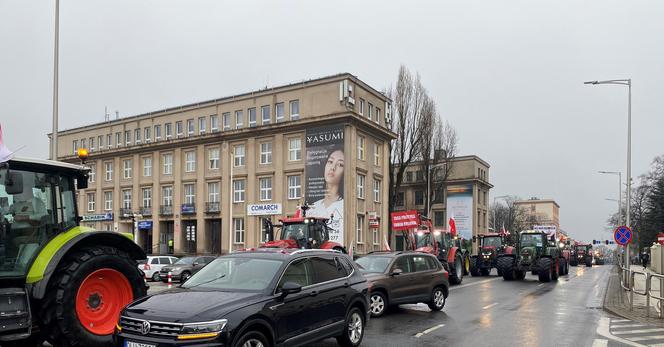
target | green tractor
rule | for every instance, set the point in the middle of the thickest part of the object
(535, 252)
(59, 281)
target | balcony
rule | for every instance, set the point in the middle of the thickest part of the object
(126, 213)
(188, 208)
(166, 210)
(212, 207)
(146, 211)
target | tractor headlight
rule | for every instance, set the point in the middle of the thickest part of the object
(202, 330)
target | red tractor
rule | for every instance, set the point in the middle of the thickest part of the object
(489, 247)
(440, 243)
(300, 231)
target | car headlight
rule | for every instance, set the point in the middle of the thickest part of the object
(202, 330)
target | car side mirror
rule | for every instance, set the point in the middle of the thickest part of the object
(290, 288)
(196, 264)
(396, 272)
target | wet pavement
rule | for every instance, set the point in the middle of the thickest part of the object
(488, 311)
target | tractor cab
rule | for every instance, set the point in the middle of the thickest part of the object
(532, 244)
(300, 231)
(36, 204)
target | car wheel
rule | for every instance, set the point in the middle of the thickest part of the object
(252, 339)
(377, 304)
(353, 329)
(437, 299)
(155, 277)
(185, 276)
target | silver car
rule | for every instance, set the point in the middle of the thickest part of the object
(153, 264)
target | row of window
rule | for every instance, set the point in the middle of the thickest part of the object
(145, 135)
(239, 154)
(377, 150)
(359, 231)
(375, 116)
(419, 197)
(294, 183)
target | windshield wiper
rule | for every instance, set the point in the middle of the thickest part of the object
(205, 282)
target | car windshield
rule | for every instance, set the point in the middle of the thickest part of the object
(580, 248)
(373, 264)
(492, 241)
(531, 240)
(29, 215)
(235, 274)
(185, 261)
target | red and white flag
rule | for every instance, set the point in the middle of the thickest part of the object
(350, 249)
(386, 244)
(452, 226)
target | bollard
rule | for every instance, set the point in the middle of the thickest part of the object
(170, 280)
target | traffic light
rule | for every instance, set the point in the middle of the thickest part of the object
(606, 242)
(594, 242)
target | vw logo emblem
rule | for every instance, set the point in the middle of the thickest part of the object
(145, 327)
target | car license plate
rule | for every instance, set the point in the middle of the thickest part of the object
(138, 344)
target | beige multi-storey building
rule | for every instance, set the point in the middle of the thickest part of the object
(200, 178)
(540, 212)
(465, 196)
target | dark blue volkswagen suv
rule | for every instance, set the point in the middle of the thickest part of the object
(263, 297)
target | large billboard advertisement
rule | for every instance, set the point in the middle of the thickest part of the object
(460, 206)
(324, 172)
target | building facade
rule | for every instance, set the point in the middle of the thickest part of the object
(540, 212)
(464, 196)
(201, 178)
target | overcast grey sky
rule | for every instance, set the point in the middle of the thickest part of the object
(507, 74)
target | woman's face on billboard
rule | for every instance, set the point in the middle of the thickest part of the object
(334, 167)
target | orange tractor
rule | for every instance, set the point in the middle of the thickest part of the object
(300, 231)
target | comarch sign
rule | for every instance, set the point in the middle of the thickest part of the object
(263, 209)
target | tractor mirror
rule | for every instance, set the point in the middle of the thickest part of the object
(290, 288)
(82, 182)
(14, 182)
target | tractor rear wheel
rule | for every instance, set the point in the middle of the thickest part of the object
(544, 269)
(562, 266)
(86, 293)
(506, 266)
(554, 269)
(474, 270)
(456, 270)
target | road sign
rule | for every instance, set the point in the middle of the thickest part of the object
(660, 238)
(623, 235)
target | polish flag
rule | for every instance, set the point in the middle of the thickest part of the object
(452, 226)
(386, 244)
(350, 249)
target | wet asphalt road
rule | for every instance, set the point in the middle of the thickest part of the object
(488, 311)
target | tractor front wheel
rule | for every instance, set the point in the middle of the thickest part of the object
(86, 294)
(544, 269)
(506, 266)
(456, 270)
(474, 270)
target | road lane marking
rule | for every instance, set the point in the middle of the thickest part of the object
(620, 320)
(476, 283)
(600, 343)
(489, 306)
(603, 330)
(619, 326)
(641, 331)
(429, 330)
(646, 338)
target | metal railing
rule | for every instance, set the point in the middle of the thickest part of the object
(646, 292)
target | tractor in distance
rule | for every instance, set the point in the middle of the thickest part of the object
(59, 281)
(583, 254)
(489, 247)
(535, 252)
(419, 235)
(300, 231)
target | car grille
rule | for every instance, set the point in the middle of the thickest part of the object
(158, 329)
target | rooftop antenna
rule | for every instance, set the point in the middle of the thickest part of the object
(117, 114)
(106, 115)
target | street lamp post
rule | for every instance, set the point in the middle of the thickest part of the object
(619, 174)
(628, 83)
(54, 137)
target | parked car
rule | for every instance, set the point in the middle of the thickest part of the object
(262, 297)
(153, 264)
(404, 278)
(182, 269)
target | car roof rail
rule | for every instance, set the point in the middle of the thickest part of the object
(315, 250)
(388, 252)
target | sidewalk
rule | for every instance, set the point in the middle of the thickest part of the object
(616, 300)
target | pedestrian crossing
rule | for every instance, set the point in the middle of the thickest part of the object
(641, 334)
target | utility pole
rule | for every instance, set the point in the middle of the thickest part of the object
(54, 137)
